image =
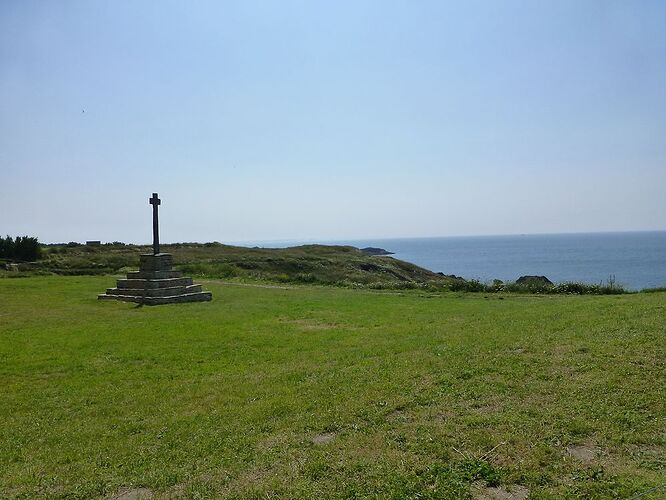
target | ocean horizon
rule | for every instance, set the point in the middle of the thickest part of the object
(634, 259)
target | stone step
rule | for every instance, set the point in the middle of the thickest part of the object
(155, 292)
(159, 262)
(154, 275)
(149, 284)
(153, 301)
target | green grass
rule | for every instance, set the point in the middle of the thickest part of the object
(307, 391)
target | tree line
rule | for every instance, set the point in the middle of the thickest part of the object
(20, 248)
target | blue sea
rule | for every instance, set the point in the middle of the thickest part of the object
(635, 259)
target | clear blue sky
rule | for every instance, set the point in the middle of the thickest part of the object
(331, 120)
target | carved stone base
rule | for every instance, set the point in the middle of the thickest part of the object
(155, 283)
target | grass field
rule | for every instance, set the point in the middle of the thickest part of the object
(302, 392)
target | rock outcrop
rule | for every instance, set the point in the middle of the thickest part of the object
(533, 280)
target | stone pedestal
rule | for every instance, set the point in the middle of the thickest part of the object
(156, 283)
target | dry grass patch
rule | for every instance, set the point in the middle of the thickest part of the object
(510, 492)
(133, 494)
(324, 438)
(311, 324)
(585, 453)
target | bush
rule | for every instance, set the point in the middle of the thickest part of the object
(305, 278)
(467, 286)
(530, 287)
(210, 269)
(226, 271)
(610, 288)
(21, 248)
(197, 268)
(534, 287)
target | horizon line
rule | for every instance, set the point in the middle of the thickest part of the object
(383, 238)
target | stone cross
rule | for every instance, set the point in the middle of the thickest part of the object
(155, 201)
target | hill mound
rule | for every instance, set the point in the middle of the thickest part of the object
(317, 264)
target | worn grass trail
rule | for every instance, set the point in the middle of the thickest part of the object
(306, 391)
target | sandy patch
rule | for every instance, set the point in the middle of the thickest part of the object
(397, 414)
(324, 438)
(443, 416)
(250, 478)
(133, 494)
(512, 492)
(488, 409)
(273, 441)
(583, 453)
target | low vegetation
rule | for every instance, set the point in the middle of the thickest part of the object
(284, 391)
(343, 266)
(569, 287)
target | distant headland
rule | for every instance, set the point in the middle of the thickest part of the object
(375, 251)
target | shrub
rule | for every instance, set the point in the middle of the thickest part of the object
(21, 248)
(305, 278)
(226, 271)
(534, 287)
(529, 287)
(467, 286)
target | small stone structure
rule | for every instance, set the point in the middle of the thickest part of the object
(156, 282)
